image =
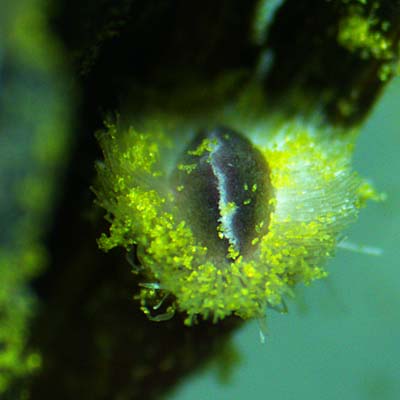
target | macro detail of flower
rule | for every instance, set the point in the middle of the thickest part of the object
(225, 222)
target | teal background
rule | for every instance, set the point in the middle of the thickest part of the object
(341, 338)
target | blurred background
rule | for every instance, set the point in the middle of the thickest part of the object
(340, 339)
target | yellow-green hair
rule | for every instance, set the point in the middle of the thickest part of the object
(315, 197)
